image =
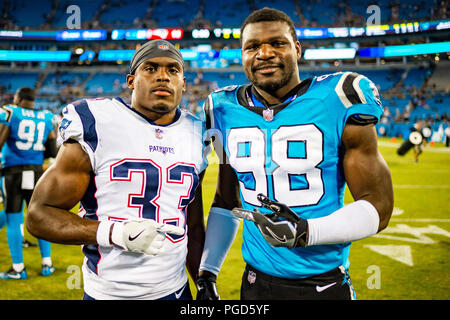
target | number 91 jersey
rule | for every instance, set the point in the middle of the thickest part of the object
(28, 133)
(140, 170)
(292, 154)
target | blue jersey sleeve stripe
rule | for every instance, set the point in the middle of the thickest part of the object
(88, 121)
(90, 204)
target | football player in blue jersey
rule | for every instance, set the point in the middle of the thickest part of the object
(288, 148)
(27, 136)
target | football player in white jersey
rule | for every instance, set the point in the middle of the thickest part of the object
(135, 169)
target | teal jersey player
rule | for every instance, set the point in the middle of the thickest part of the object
(288, 149)
(26, 137)
(291, 153)
(29, 130)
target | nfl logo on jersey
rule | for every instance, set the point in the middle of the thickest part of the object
(268, 114)
(251, 277)
(159, 133)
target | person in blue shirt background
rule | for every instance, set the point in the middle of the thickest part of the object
(27, 136)
(287, 149)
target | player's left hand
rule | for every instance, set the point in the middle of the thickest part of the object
(281, 228)
(206, 287)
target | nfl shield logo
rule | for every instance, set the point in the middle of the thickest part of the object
(163, 46)
(268, 114)
(251, 277)
(159, 133)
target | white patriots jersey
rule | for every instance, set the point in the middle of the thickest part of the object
(141, 170)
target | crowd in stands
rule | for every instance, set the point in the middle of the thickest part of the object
(189, 14)
(408, 95)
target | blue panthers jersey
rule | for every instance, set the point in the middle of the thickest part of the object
(29, 130)
(292, 154)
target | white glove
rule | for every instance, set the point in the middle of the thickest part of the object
(140, 236)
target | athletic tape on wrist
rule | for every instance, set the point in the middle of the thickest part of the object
(102, 236)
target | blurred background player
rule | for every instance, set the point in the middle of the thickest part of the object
(27, 136)
(416, 140)
(300, 143)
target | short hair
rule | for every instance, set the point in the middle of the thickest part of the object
(269, 14)
(25, 93)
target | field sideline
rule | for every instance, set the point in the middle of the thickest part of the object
(408, 260)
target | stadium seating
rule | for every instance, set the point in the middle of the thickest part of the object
(88, 9)
(416, 77)
(105, 84)
(439, 78)
(409, 92)
(54, 82)
(123, 14)
(178, 13)
(14, 81)
(174, 14)
(27, 13)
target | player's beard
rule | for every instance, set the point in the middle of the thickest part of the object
(271, 85)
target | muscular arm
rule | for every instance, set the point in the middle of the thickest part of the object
(227, 190)
(60, 188)
(369, 181)
(366, 172)
(196, 231)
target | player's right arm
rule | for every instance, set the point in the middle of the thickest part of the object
(59, 190)
(61, 187)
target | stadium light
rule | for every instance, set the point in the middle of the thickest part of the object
(29, 55)
(405, 50)
(329, 54)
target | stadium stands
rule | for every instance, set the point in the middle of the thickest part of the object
(105, 84)
(413, 90)
(13, 81)
(439, 78)
(88, 8)
(26, 13)
(179, 13)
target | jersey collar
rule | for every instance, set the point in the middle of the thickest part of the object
(249, 98)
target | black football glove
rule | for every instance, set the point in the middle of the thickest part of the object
(206, 287)
(281, 228)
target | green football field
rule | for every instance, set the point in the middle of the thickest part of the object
(408, 260)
